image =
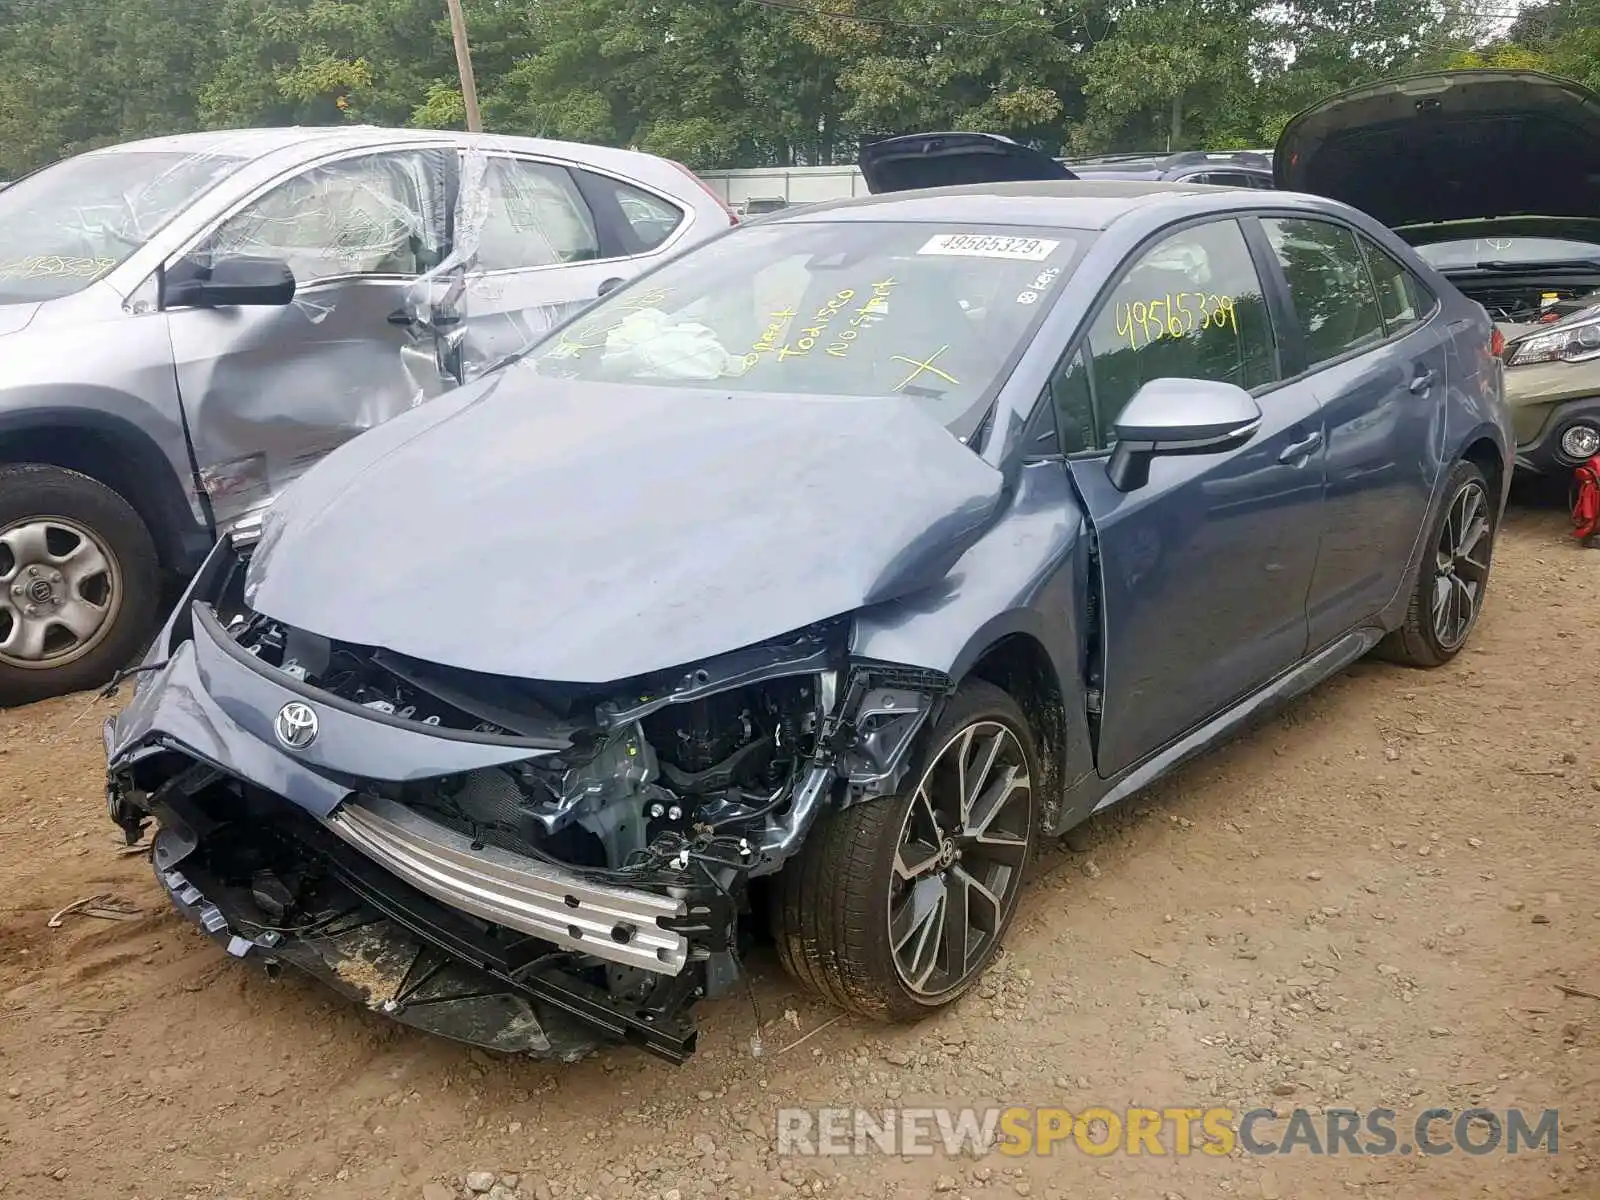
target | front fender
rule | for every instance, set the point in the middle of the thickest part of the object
(1028, 576)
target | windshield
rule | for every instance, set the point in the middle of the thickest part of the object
(840, 308)
(1469, 252)
(66, 226)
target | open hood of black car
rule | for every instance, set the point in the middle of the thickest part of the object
(927, 160)
(1449, 146)
(584, 533)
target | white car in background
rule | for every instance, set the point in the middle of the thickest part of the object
(187, 323)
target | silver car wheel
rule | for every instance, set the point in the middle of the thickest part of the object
(60, 592)
(1462, 566)
(959, 860)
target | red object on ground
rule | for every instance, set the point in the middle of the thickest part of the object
(1586, 499)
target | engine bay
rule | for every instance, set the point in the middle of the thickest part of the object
(642, 778)
(1529, 302)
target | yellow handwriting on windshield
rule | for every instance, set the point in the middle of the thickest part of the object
(41, 265)
(877, 306)
(824, 317)
(919, 366)
(648, 298)
(1173, 316)
(777, 322)
(585, 335)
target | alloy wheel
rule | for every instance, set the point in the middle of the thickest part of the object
(1462, 566)
(60, 591)
(959, 859)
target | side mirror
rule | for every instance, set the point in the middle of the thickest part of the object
(1178, 416)
(243, 280)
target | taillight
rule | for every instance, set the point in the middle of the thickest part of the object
(733, 217)
(1497, 342)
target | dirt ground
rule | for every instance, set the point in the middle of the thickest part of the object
(1371, 901)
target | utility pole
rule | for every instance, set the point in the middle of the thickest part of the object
(469, 86)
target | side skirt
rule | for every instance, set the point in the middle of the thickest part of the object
(1286, 687)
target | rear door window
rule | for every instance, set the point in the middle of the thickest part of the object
(535, 217)
(1402, 300)
(1188, 307)
(1328, 282)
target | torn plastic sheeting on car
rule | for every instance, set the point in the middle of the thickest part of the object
(391, 309)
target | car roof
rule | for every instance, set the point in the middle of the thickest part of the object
(252, 144)
(1064, 204)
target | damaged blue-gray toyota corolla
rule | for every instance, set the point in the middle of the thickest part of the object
(805, 585)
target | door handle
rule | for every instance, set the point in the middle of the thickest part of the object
(1422, 382)
(608, 286)
(1295, 452)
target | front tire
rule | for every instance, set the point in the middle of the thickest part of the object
(1448, 595)
(79, 582)
(893, 908)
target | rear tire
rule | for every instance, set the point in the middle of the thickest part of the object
(79, 582)
(895, 907)
(1447, 596)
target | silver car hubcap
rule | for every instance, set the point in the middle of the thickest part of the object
(958, 862)
(1580, 442)
(60, 590)
(1462, 566)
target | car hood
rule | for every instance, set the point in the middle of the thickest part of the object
(928, 160)
(581, 532)
(1448, 146)
(14, 318)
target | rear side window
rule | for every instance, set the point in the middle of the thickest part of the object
(1401, 298)
(534, 217)
(1328, 282)
(1188, 307)
(649, 218)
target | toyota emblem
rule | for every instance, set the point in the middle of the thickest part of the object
(296, 725)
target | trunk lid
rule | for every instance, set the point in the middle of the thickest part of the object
(929, 160)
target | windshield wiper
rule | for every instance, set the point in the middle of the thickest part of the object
(1559, 264)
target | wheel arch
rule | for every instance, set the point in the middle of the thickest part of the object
(1017, 662)
(117, 453)
(1486, 453)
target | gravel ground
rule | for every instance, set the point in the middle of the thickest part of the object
(1375, 900)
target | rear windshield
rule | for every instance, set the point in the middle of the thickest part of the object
(67, 225)
(1469, 252)
(936, 313)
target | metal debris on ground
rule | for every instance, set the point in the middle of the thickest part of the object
(105, 906)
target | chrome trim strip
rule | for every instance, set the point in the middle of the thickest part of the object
(508, 889)
(246, 530)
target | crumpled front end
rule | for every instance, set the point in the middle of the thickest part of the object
(528, 866)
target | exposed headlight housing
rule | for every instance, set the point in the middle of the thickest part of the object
(1578, 341)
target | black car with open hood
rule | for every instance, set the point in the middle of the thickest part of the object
(1450, 146)
(929, 160)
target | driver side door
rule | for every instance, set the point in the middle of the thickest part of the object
(1204, 569)
(267, 391)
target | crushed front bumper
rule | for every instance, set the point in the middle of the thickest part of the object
(378, 940)
(395, 910)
